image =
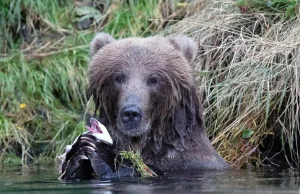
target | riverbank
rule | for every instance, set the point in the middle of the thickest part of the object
(44, 57)
(247, 67)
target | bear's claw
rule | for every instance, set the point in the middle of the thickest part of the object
(79, 159)
(87, 149)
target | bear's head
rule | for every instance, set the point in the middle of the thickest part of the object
(141, 85)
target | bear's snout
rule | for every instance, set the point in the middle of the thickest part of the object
(131, 116)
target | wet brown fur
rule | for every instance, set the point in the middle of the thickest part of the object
(175, 138)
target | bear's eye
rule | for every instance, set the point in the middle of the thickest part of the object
(153, 80)
(120, 79)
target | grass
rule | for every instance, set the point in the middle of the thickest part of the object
(43, 66)
(137, 162)
(287, 8)
(248, 65)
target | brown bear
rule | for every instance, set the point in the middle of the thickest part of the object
(146, 96)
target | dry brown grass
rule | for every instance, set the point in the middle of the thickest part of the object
(248, 65)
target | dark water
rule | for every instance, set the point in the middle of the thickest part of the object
(38, 179)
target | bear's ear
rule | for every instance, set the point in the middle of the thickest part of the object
(100, 40)
(186, 45)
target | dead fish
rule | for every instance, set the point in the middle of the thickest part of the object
(99, 131)
(96, 129)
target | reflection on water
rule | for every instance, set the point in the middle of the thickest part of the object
(15, 179)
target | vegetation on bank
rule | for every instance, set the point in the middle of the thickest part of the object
(248, 66)
(44, 56)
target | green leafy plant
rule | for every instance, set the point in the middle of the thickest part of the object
(247, 133)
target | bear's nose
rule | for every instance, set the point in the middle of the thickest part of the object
(131, 115)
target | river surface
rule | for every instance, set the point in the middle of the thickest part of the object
(38, 179)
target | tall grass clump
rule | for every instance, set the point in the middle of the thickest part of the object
(42, 101)
(248, 65)
(31, 19)
(287, 8)
(44, 53)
